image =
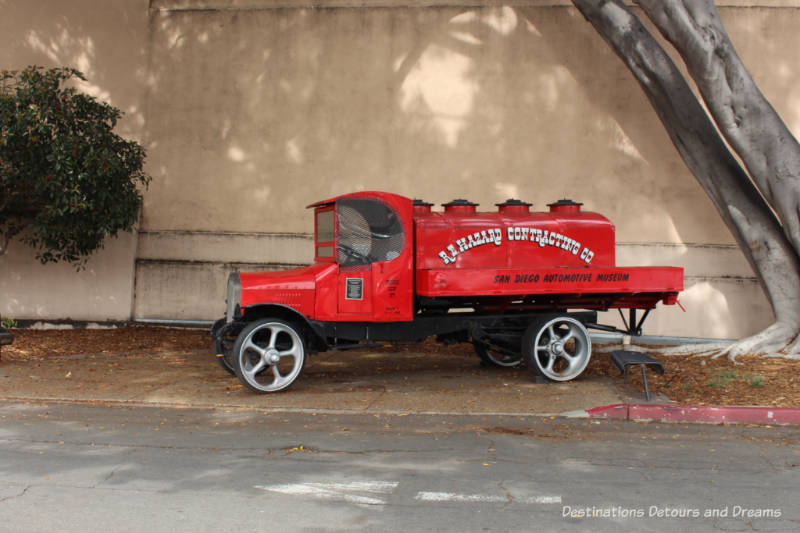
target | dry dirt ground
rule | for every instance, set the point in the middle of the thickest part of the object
(688, 380)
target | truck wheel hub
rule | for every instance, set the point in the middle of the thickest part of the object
(273, 357)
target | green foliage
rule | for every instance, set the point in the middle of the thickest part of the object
(722, 378)
(66, 180)
(8, 323)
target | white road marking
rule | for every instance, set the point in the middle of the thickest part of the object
(481, 498)
(462, 498)
(544, 499)
(373, 493)
(345, 492)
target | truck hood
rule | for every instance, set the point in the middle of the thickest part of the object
(303, 278)
(293, 288)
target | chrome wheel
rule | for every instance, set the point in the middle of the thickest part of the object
(557, 347)
(269, 355)
(495, 357)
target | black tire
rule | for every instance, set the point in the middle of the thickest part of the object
(495, 358)
(223, 345)
(557, 347)
(260, 348)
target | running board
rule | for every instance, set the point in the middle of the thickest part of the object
(354, 346)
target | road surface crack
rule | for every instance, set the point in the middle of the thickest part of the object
(502, 487)
(109, 476)
(15, 496)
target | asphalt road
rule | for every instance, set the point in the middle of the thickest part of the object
(73, 467)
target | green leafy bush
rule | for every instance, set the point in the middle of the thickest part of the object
(67, 181)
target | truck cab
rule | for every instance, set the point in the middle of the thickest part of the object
(369, 238)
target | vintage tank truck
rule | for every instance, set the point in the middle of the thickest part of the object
(519, 285)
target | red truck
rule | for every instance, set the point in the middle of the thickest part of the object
(519, 285)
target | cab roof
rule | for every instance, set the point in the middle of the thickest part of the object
(372, 194)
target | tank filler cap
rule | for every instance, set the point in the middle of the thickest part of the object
(512, 205)
(421, 206)
(565, 205)
(460, 206)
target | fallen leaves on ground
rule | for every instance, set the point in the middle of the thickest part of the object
(752, 380)
(32, 344)
(688, 380)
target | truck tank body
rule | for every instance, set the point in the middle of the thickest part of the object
(464, 253)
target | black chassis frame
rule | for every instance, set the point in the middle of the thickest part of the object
(447, 328)
(502, 331)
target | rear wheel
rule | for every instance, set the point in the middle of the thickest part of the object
(493, 356)
(269, 355)
(557, 346)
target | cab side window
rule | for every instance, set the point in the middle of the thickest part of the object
(324, 227)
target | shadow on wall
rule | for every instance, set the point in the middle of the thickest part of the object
(104, 40)
(255, 114)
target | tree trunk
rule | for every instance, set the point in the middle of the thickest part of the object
(742, 113)
(753, 224)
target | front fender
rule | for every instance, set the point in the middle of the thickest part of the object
(314, 341)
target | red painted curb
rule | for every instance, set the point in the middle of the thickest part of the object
(618, 411)
(701, 414)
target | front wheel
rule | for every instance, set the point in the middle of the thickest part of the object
(269, 355)
(223, 344)
(557, 347)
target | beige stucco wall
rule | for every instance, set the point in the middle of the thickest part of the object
(107, 41)
(101, 292)
(252, 109)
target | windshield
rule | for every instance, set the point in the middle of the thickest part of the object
(368, 231)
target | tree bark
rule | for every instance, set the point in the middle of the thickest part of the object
(753, 224)
(744, 116)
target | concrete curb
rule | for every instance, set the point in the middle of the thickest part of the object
(699, 414)
(765, 416)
